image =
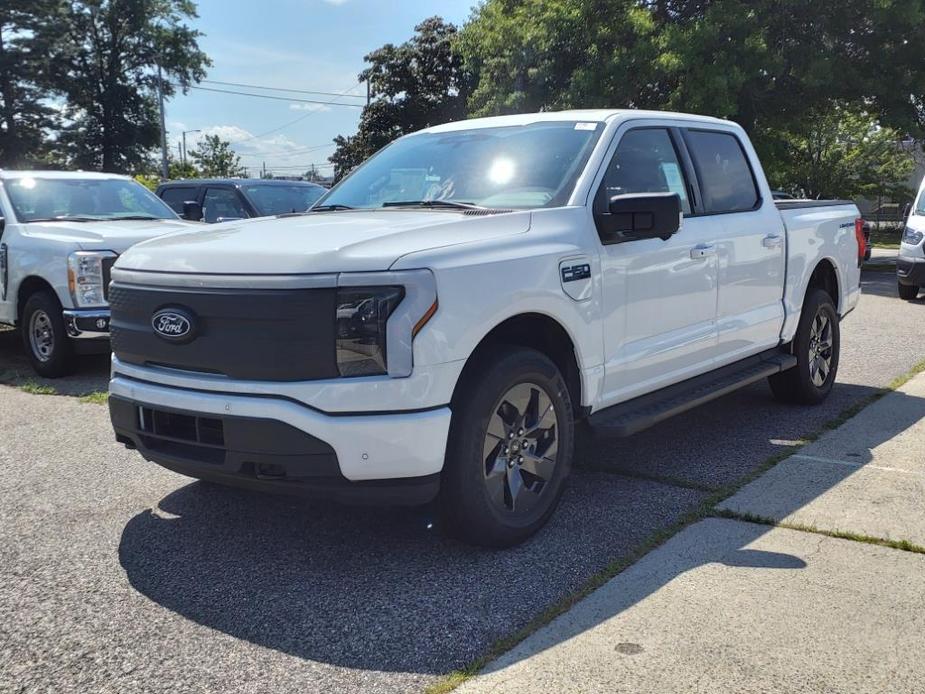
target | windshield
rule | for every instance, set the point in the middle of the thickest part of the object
(275, 199)
(920, 207)
(35, 199)
(519, 167)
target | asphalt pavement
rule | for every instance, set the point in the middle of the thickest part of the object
(117, 575)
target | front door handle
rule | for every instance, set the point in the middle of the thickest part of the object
(704, 250)
(772, 241)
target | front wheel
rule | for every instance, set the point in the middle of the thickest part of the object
(816, 346)
(45, 338)
(907, 291)
(510, 450)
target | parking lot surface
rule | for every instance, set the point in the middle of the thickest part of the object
(116, 575)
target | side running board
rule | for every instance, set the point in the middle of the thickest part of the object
(626, 418)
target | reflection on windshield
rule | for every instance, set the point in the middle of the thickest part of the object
(35, 199)
(516, 167)
(276, 199)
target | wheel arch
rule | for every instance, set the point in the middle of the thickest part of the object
(29, 286)
(825, 277)
(532, 330)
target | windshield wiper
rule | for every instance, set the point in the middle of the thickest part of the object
(143, 217)
(326, 208)
(65, 218)
(449, 204)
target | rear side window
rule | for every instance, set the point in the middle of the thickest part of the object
(175, 197)
(726, 180)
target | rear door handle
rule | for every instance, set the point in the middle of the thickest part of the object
(703, 250)
(772, 241)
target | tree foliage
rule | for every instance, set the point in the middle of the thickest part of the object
(215, 159)
(26, 43)
(414, 85)
(843, 153)
(107, 62)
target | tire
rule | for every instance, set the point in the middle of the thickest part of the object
(817, 346)
(907, 291)
(489, 497)
(44, 336)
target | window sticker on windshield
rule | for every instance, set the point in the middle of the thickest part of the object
(673, 178)
(585, 126)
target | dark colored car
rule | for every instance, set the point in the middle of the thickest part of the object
(224, 199)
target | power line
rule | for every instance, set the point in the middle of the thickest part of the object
(277, 98)
(282, 89)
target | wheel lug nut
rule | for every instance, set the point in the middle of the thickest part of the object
(520, 432)
(510, 435)
(520, 459)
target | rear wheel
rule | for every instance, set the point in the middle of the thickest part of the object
(45, 339)
(908, 291)
(816, 347)
(510, 450)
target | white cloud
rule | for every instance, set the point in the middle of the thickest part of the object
(308, 107)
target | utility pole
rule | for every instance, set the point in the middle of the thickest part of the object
(160, 100)
(183, 157)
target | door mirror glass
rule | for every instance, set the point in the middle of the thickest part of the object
(192, 211)
(642, 216)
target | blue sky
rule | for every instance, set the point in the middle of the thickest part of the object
(313, 45)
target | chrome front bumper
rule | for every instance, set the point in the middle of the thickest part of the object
(87, 324)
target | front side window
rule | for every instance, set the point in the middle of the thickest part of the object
(175, 197)
(94, 199)
(278, 199)
(220, 204)
(920, 207)
(511, 167)
(726, 180)
(645, 162)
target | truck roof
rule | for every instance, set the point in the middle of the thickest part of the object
(591, 115)
(89, 175)
(237, 182)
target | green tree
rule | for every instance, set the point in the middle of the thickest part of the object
(178, 169)
(763, 63)
(26, 40)
(107, 68)
(414, 85)
(215, 159)
(843, 153)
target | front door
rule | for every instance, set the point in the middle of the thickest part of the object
(659, 297)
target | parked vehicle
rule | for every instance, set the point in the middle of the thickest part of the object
(441, 318)
(910, 265)
(60, 233)
(226, 199)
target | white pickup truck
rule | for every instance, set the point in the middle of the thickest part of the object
(438, 322)
(60, 233)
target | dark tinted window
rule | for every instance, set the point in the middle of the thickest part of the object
(220, 204)
(175, 197)
(645, 162)
(726, 180)
(277, 199)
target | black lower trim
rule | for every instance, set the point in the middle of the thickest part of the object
(910, 271)
(259, 454)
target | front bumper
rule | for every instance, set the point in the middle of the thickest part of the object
(87, 324)
(277, 445)
(910, 271)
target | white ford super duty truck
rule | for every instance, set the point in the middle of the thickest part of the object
(438, 322)
(60, 233)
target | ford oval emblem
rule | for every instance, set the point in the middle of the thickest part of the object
(173, 324)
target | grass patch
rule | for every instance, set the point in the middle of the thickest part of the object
(903, 545)
(100, 397)
(37, 388)
(706, 509)
(885, 238)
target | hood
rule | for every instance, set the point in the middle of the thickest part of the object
(115, 236)
(345, 241)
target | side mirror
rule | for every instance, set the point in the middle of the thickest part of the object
(192, 211)
(641, 216)
(907, 210)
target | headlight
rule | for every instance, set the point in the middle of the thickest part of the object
(362, 314)
(87, 275)
(912, 237)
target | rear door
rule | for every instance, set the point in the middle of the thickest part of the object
(222, 203)
(659, 312)
(175, 196)
(750, 242)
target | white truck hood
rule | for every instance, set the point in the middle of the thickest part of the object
(115, 236)
(321, 242)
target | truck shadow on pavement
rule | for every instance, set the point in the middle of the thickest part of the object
(92, 371)
(381, 589)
